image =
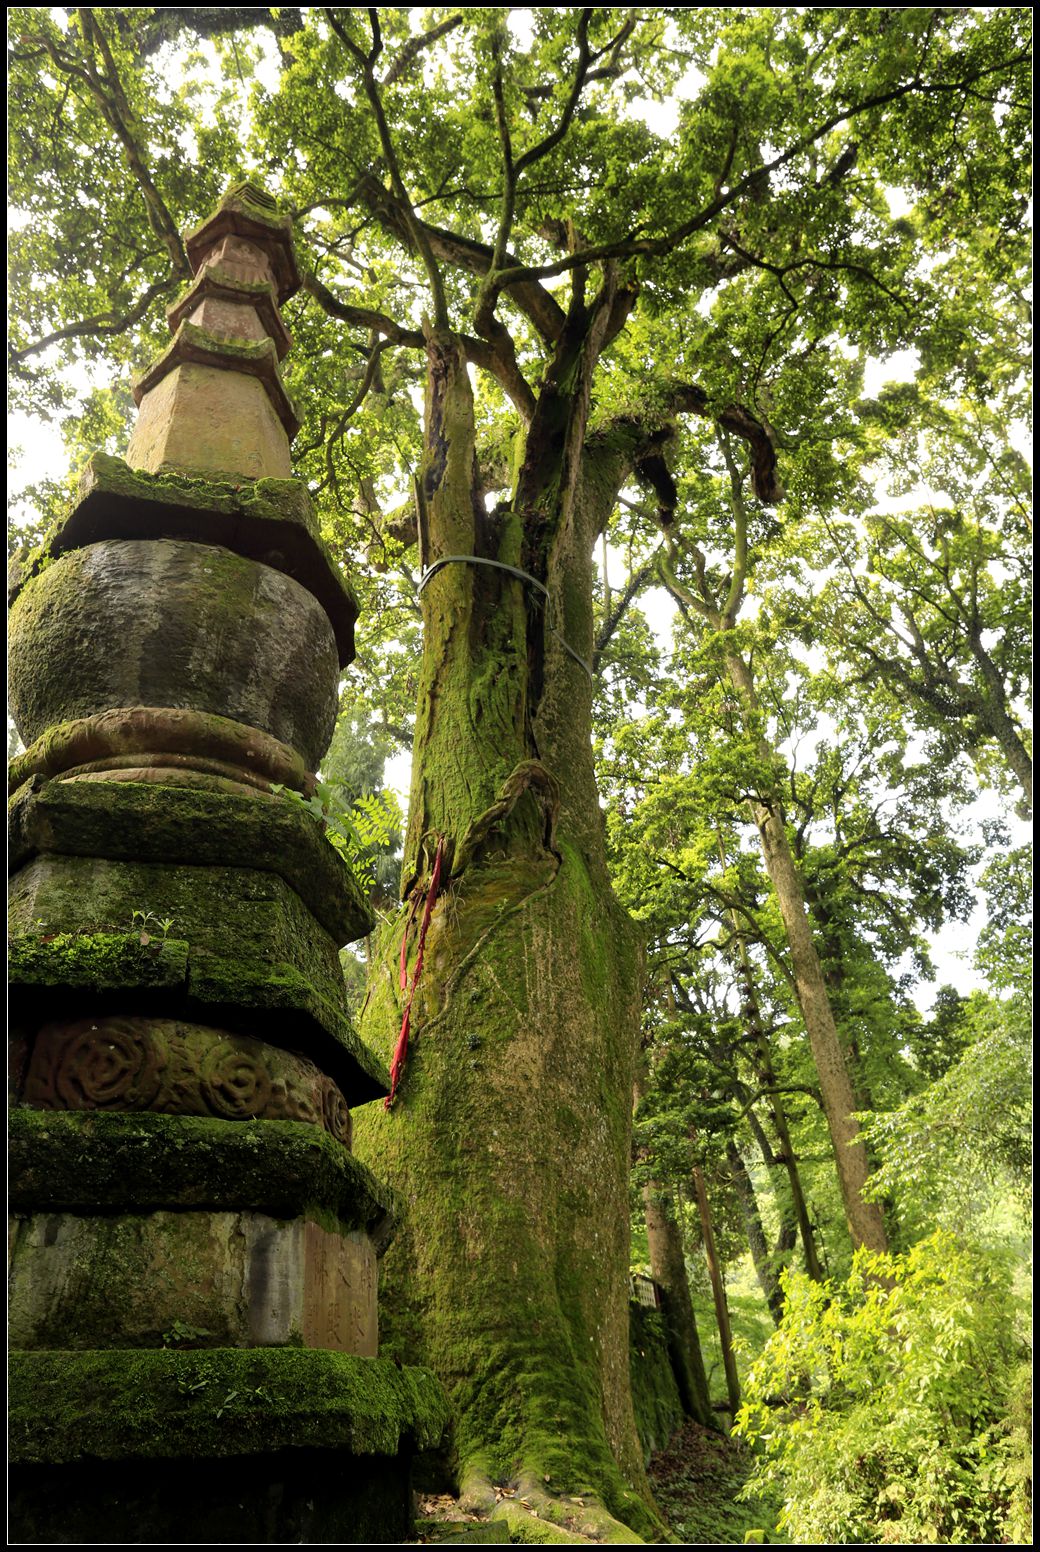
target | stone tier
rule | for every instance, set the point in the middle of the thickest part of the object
(246, 223)
(163, 743)
(140, 902)
(226, 305)
(223, 1446)
(128, 1228)
(165, 623)
(213, 407)
(269, 521)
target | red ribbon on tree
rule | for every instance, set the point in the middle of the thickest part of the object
(401, 1050)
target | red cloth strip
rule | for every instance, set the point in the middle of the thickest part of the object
(401, 1049)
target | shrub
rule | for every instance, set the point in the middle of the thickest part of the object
(892, 1408)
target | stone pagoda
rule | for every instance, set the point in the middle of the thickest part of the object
(194, 1246)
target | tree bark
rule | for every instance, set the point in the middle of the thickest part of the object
(864, 1219)
(508, 1144)
(765, 1268)
(668, 1267)
(718, 1288)
(752, 1015)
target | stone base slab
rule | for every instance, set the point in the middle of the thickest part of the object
(222, 1446)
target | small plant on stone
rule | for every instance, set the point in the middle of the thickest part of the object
(259, 1392)
(181, 1334)
(372, 820)
(149, 925)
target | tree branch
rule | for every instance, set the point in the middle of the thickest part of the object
(416, 227)
(101, 323)
(410, 52)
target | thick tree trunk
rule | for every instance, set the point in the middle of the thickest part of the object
(864, 1219)
(668, 1266)
(508, 1143)
(718, 1289)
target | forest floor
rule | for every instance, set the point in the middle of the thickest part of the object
(696, 1481)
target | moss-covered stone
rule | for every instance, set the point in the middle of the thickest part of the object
(655, 1394)
(130, 735)
(149, 823)
(249, 212)
(221, 1402)
(195, 1279)
(89, 1162)
(214, 282)
(166, 622)
(95, 961)
(272, 521)
(285, 1497)
(256, 960)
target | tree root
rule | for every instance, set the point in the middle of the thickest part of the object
(534, 1516)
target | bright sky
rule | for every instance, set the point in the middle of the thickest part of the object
(37, 451)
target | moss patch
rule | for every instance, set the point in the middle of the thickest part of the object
(68, 1406)
(142, 821)
(655, 1394)
(85, 1161)
(98, 961)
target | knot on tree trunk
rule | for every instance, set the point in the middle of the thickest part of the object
(528, 776)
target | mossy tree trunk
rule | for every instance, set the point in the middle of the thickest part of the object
(508, 1144)
(668, 1266)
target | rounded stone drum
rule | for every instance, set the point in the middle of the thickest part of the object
(164, 622)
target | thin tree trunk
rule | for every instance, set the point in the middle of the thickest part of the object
(1001, 723)
(668, 1267)
(799, 1208)
(752, 1015)
(864, 1219)
(765, 1268)
(718, 1288)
